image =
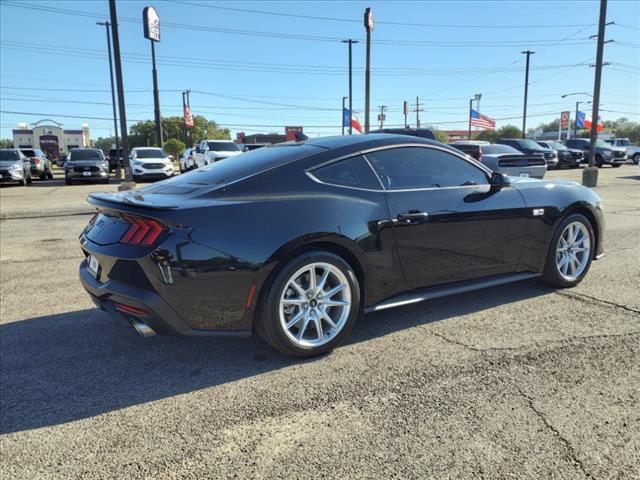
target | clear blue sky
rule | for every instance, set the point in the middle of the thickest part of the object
(258, 72)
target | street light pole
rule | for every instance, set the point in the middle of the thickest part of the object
(344, 99)
(368, 25)
(128, 183)
(113, 96)
(350, 42)
(528, 53)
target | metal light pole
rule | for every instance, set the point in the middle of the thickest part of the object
(128, 184)
(118, 171)
(528, 53)
(477, 98)
(590, 174)
(350, 42)
(405, 110)
(368, 25)
(344, 99)
(151, 24)
(575, 122)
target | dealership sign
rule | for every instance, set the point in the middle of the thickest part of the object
(564, 119)
(151, 22)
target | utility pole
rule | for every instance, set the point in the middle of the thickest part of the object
(368, 25)
(344, 99)
(184, 117)
(113, 98)
(128, 184)
(405, 110)
(350, 42)
(418, 110)
(381, 115)
(528, 53)
(590, 174)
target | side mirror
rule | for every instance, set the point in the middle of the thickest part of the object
(499, 180)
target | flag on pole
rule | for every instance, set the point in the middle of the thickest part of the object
(349, 119)
(482, 121)
(584, 121)
(188, 117)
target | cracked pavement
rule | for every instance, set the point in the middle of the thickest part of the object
(518, 381)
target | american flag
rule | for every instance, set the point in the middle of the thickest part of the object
(188, 117)
(482, 121)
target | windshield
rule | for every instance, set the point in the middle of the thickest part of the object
(624, 142)
(526, 143)
(151, 153)
(602, 144)
(29, 153)
(82, 154)
(498, 149)
(555, 145)
(9, 156)
(223, 146)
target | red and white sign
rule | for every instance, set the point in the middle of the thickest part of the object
(564, 119)
(291, 132)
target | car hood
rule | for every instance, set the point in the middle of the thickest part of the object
(523, 183)
(10, 163)
(224, 153)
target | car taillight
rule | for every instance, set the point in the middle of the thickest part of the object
(35, 160)
(142, 231)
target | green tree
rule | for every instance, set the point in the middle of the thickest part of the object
(6, 143)
(174, 147)
(508, 131)
(439, 134)
(142, 134)
(104, 143)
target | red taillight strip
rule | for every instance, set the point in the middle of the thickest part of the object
(132, 310)
(141, 231)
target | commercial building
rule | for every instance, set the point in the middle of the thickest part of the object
(50, 137)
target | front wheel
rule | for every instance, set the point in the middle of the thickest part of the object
(311, 306)
(616, 165)
(570, 253)
(636, 158)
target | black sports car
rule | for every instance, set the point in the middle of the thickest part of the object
(298, 240)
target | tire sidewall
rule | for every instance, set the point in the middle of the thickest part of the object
(269, 312)
(551, 269)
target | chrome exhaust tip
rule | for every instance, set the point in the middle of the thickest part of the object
(142, 328)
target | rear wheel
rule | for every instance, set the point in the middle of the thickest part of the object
(570, 253)
(599, 161)
(636, 158)
(311, 305)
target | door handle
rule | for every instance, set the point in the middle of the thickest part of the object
(413, 216)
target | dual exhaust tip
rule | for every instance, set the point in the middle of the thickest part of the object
(142, 328)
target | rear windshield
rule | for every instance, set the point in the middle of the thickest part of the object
(9, 155)
(151, 153)
(555, 145)
(498, 149)
(223, 146)
(467, 148)
(235, 168)
(81, 154)
(526, 143)
(29, 153)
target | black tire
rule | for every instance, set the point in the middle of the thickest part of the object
(267, 320)
(599, 161)
(50, 174)
(43, 175)
(616, 165)
(29, 179)
(636, 158)
(551, 274)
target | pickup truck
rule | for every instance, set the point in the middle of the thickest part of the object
(210, 151)
(633, 151)
(604, 153)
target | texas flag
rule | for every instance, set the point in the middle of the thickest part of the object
(584, 121)
(349, 119)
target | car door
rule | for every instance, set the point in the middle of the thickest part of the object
(449, 223)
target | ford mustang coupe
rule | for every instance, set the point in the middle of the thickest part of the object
(299, 240)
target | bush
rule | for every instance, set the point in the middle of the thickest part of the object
(174, 147)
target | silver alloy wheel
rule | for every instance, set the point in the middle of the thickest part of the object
(573, 251)
(315, 305)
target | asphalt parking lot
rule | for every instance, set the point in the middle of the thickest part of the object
(512, 382)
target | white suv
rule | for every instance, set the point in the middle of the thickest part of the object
(209, 151)
(150, 163)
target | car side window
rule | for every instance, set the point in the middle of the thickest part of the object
(350, 172)
(418, 167)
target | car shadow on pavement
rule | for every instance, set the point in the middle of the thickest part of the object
(61, 368)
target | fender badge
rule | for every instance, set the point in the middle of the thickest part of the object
(538, 212)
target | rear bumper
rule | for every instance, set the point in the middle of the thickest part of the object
(536, 171)
(158, 315)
